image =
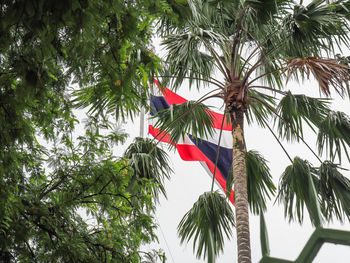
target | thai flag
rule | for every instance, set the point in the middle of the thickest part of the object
(204, 149)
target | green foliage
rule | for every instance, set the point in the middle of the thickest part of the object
(294, 188)
(333, 135)
(190, 117)
(206, 222)
(42, 218)
(294, 109)
(188, 61)
(259, 182)
(260, 108)
(148, 163)
(334, 191)
(46, 46)
(312, 28)
(153, 257)
(245, 49)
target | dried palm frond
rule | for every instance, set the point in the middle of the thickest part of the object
(328, 72)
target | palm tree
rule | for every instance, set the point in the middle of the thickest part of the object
(247, 50)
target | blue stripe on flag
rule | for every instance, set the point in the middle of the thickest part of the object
(210, 149)
(159, 103)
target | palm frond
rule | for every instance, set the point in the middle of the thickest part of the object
(294, 109)
(341, 7)
(334, 135)
(293, 189)
(206, 222)
(149, 162)
(270, 69)
(191, 49)
(229, 182)
(190, 117)
(259, 182)
(259, 107)
(177, 14)
(334, 191)
(259, 12)
(327, 72)
(186, 59)
(191, 54)
(123, 99)
(153, 257)
(312, 29)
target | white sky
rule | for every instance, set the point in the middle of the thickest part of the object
(190, 180)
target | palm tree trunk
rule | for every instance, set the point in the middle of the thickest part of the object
(240, 187)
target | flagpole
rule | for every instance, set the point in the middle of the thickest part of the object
(142, 113)
(142, 128)
(142, 122)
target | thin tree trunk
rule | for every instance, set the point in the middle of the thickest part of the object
(240, 188)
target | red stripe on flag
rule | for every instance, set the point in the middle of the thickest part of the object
(159, 135)
(173, 98)
(191, 153)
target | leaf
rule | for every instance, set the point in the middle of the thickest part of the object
(259, 182)
(149, 162)
(190, 117)
(334, 191)
(327, 72)
(294, 109)
(259, 107)
(309, 30)
(206, 222)
(334, 135)
(293, 189)
(229, 183)
(191, 48)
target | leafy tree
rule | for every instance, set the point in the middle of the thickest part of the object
(79, 203)
(102, 47)
(247, 50)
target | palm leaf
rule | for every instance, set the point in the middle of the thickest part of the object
(229, 183)
(177, 14)
(188, 56)
(334, 190)
(341, 7)
(259, 107)
(191, 48)
(206, 222)
(293, 190)
(261, 11)
(312, 29)
(334, 135)
(327, 72)
(259, 182)
(190, 117)
(271, 68)
(293, 109)
(149, 162)
(122, 100)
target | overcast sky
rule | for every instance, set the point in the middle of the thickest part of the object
(190, 180)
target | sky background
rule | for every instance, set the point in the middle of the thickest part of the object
(190, 180)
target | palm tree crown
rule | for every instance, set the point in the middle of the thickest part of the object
(247, 50)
